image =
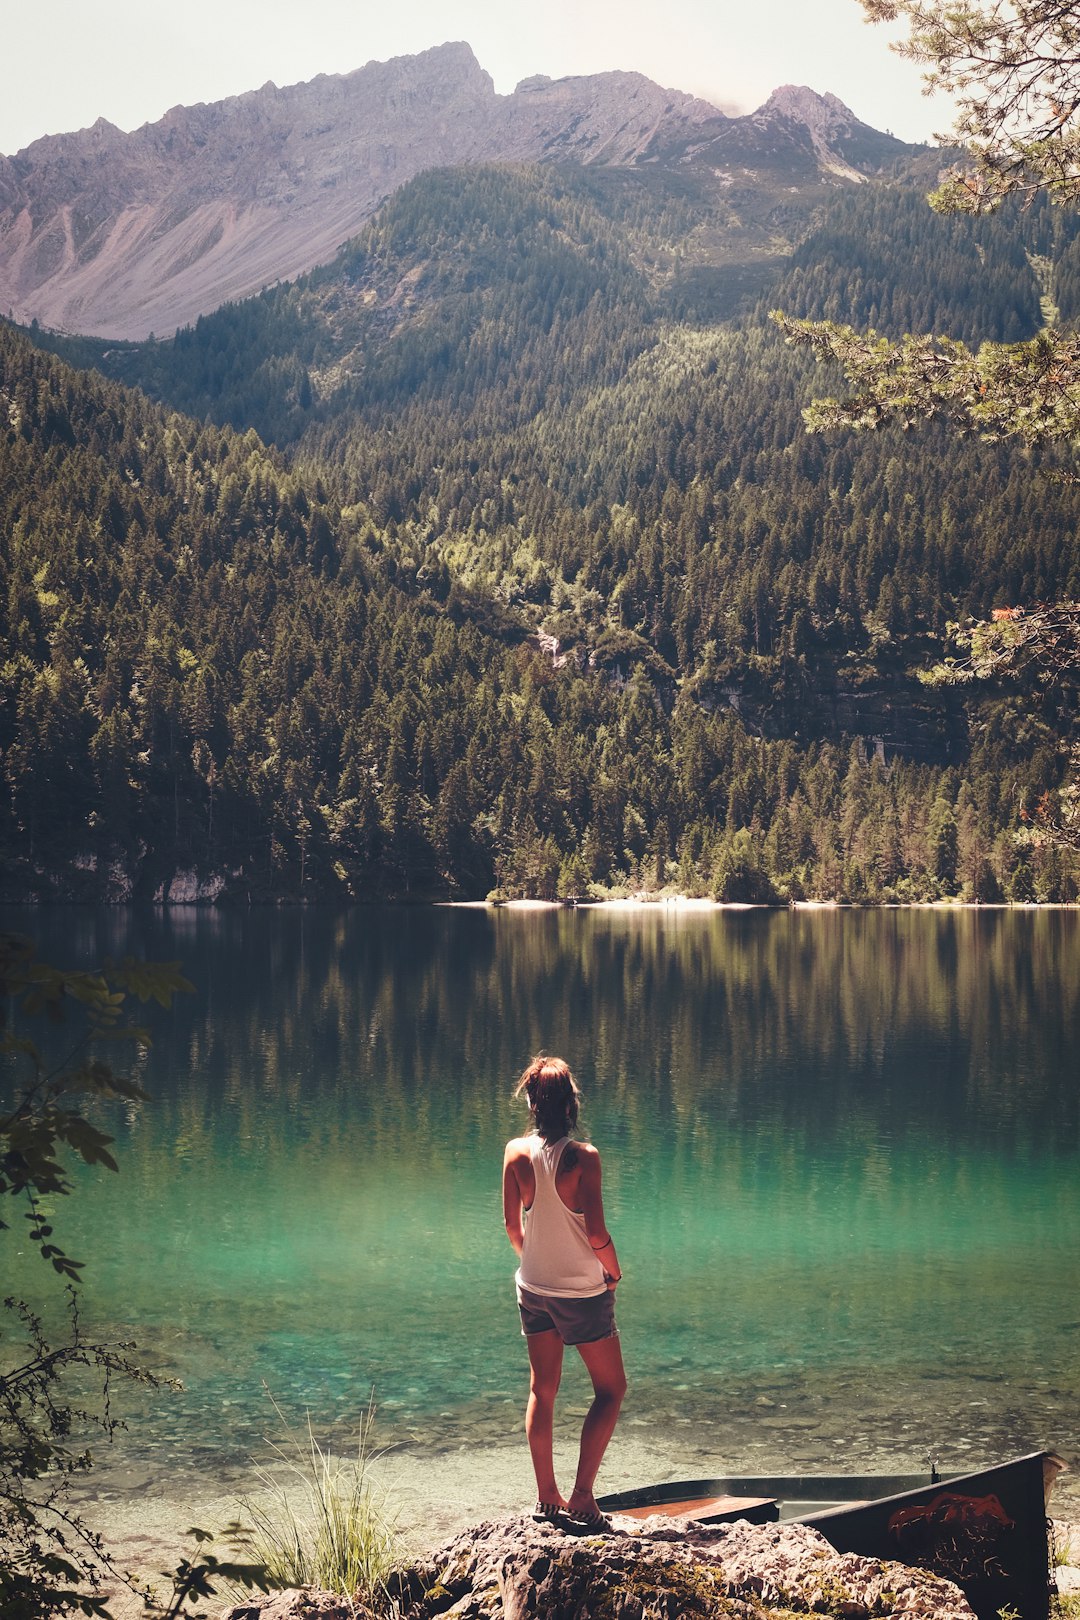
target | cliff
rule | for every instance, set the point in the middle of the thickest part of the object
(121, 235)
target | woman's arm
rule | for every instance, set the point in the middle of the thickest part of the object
(592, 1207)
(512, 1200)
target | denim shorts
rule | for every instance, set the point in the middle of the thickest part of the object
(575, 1320)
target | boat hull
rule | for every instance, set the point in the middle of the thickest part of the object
(986, 1531)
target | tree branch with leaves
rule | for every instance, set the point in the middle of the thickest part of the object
(1028, 392)
(42, 1121)
(51, 1562)
(1042, 642)
(1012, 68)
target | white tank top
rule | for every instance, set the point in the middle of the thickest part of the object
(556, 1257)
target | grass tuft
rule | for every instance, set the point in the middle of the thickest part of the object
(319, 1521)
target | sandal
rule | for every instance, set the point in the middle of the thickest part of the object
(553, 1512)
(593, 1519)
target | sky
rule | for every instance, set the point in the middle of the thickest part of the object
(68, 62)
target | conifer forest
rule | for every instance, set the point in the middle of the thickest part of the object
(495, 557)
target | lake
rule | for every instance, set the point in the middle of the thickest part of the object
(841, 1154)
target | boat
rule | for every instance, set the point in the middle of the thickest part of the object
(987, 1531)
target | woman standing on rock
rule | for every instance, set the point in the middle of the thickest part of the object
(566, 1281)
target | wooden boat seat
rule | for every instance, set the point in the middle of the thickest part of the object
(710, 1509)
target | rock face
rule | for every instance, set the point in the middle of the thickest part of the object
(121, 235)
(650, 1570)
(805, 133)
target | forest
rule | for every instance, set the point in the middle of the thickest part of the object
(494, 557)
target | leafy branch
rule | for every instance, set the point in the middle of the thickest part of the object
(42, 1541)
(1045, 642)
(1024, 391)
(1012, 68)
(1044, 639)
(41, 1123)
(51, 1562)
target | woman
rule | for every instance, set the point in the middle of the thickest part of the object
(566, 1281)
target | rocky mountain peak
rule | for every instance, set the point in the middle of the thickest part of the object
(120, 234)
(824, 113)
(806, 134)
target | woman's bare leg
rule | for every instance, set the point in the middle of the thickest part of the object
(603, 1359)
(545, 1369)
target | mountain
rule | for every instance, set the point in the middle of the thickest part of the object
(507, 290)
(543, 584)
(122, 235)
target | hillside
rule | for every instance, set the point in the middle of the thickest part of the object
(123, 235)
(553, 589)
(527, 371)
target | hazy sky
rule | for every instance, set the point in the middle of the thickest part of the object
(68, 62)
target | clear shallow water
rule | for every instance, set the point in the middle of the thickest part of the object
(841, 1162)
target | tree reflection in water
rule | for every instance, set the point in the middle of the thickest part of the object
(840, 1151)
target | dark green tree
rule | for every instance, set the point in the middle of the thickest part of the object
(51, 1562)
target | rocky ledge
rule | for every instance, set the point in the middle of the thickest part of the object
(657, 1569)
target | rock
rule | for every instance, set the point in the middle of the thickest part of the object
(656, 1569)
(123, 234)
(187, 888)
(307, 1603)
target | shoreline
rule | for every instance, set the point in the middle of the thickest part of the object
(683, 902)
(430, 1495)
(641, 901)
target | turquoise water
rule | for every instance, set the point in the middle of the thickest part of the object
(841, 1156)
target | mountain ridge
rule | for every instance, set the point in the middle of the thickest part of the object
(119, 235)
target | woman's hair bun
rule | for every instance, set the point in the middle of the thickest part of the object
(553, 1096)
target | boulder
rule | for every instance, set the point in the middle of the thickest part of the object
(301, 1603)
(656, 1569)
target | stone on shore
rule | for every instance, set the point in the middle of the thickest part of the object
(300, 1603)
(656, 1569)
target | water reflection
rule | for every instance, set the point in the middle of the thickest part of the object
(841, 1155)
(654, 1004)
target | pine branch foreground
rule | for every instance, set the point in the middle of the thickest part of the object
(1045, 641)
(1028, 392)
(1012, 68)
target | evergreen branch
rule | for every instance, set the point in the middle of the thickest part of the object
(1013, 69)
(1024, 391)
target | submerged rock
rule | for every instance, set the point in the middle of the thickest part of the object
(656, 1569)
